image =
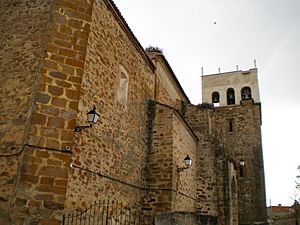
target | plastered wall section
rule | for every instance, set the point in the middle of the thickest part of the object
(185, 143)
(236, 80)
(115, 146)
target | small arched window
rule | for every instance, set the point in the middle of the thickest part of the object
(246, 93)
(123, 87)
(230, 96)
(215, 97)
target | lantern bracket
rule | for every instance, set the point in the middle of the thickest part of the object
(92, 118)
(80, 128)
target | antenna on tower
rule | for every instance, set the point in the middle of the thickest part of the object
(202, 70)
(255, 63)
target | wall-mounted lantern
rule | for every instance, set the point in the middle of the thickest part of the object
(242, 163)
(92, 118)
(187, 161)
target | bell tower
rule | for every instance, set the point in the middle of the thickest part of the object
(236, 126)
(230, 88)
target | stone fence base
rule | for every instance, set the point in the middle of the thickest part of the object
(184, 218)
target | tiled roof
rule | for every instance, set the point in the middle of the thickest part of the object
(281, 209)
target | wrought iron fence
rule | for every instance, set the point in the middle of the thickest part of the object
(108, 213)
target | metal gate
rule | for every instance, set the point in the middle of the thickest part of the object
(108, 213)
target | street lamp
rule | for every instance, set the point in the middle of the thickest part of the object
(92, 118)
(242, 165)
(187, 161)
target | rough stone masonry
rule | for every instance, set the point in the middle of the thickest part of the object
(59, 58)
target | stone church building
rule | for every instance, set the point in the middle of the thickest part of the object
(61, 58)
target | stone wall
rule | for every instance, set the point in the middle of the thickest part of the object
(160, 170)
(167, 89)
(217, 175)
(84, 49)
(54, 115)
(285, 220)
(41, 190)
(184, 218)
(184, 143)
(54, 37)
(244, 142)
(232, 204)
(109, 158)
(23, 27)
(169, 189)
(58, 92)
(8, 177)
(208, 186)
(61, 58)
(162, 95)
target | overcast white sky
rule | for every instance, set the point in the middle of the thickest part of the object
(265, 30)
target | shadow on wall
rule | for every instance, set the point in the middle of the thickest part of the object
(184, 218)
(4, 218)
